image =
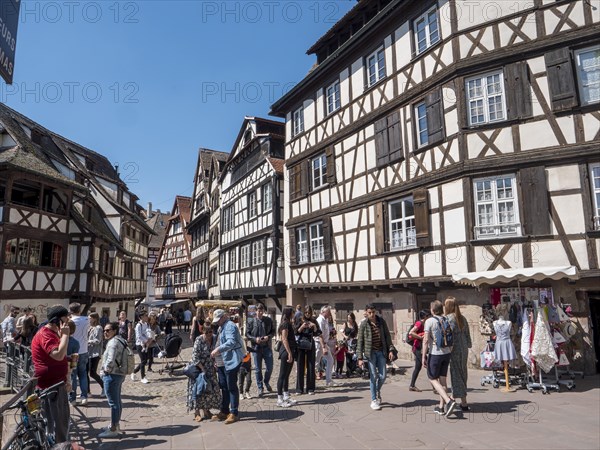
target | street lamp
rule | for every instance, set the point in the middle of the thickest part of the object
(112, 252)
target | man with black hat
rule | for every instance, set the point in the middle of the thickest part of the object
(49, 356)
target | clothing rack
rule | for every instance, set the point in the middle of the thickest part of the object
(532, 384)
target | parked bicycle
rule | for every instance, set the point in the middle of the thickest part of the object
(31, 432)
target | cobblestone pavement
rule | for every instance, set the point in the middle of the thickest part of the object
(155, 417)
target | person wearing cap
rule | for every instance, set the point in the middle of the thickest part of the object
(49, 357)
(228, 355)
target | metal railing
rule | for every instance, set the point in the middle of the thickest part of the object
(18, 366)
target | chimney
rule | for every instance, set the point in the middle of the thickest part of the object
(149, 211)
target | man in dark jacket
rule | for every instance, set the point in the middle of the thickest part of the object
(260, 332)
(375, 345)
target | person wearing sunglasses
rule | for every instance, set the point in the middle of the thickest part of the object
(114, 369)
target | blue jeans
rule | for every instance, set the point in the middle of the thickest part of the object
(229, 389)
(377, 372)
(112, 389)
(80, 372)
(262, 353)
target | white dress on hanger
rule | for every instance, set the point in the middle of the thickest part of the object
(525, 339)
(542, 348)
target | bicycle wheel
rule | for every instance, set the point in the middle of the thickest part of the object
(23, 440)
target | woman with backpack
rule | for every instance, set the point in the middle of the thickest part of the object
(415, 336)
(114, 368)
(460, 351)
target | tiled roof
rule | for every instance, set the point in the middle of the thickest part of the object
(158, 224)
(277, 164)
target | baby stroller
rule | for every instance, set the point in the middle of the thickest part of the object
(171, 352)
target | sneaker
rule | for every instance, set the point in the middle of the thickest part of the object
(132, 376)
(290, 400)
(248, 395)
(311, 392)
(150, 369)
(331, 384)
(145, 380)
(232, 418)
(283, 403)
(438, 410)
(450, 407)
(268, 387)
(83, 401)
(260, 393)
(108, 434)
(375, 406)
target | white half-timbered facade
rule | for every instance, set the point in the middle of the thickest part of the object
(171, 272)
(70, 228)
(214, 229)
(157, 221)
(436, 138)
(251, 260)
(200, 223)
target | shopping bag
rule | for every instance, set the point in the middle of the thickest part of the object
(488, 359)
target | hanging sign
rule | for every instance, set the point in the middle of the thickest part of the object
(9, 21)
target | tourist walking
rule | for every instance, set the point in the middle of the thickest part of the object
(416, 333)
(307, 331)
(350, 333)
(187, 319)
(228, 355)
(141, 340)
(95, 341)
(82, 323)
(28, 330)
(211, 396)
(245, 377)
(49, 357)
(439, 357)
(287, 353)
(323, 349)
(9, 325)
(376, 347)
(260, 332)
(460, 351)
(114, 369)
(125, 327)
(153, 335)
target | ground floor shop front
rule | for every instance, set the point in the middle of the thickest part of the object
(400, 308)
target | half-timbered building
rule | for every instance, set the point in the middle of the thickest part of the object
(200, 223)
(172, 267)
(70, 228)
(250, 261)
(446, 138)
(214, 233)
(157, 221)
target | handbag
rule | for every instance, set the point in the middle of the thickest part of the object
(305, 343)
(488, 359)
(191, 371)
(278, 346)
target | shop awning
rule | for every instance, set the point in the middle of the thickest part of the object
(157, 303)
(492, 277)
(219, 304)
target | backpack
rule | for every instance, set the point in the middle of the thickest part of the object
(443, 334)
(127, 362)
(409, 339)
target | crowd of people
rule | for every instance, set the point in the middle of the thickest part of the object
(71, 347)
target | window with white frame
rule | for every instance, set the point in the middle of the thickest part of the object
(298, 121)
(233, 258)
(317, 244)
(267, 197)
(258, 253)
(402, 224)
(319, 171)
(245, 256)
(222, 263)
(485, 98)
(588, 74)
(496, 207)
(421, 124)
(228, 218)
(375, 66)
(595, 179)
(302, 246)
(427, 30)
(333, 97)
(252, 205)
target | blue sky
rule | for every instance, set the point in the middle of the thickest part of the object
(146, 83)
